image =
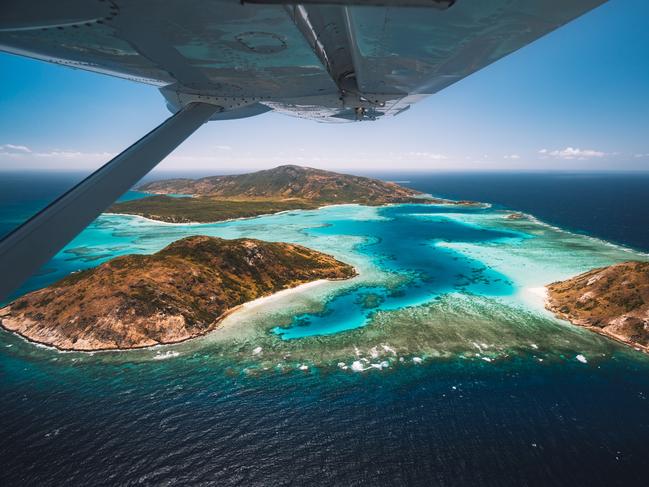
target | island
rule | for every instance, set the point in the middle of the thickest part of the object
(612, 301)
(288, 187)
(182, 291)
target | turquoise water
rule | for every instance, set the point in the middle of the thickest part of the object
(452, 373)
(406, 255)
(404, 243)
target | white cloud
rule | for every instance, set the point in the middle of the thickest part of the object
(22, 152)
(573, 153)
(512, 156)
(22, 158)
(14, 149)
(428, 155)
(69, 154)
(638, 156)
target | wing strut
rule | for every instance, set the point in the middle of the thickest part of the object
(36, 241)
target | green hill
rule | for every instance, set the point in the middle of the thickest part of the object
(218, 198)
(289, 182)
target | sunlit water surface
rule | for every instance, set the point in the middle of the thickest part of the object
(437, 365)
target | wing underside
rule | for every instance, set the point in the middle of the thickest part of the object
(330, 62)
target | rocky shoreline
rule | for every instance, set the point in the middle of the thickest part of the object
(182, 292)
(611, 301)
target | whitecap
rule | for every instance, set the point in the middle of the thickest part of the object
(165, 355)
(357, 366)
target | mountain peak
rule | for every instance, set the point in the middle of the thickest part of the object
(290, 181)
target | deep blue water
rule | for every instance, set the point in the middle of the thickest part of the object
(169, 424)
(516, 422)
(611, 206)
(23, 194)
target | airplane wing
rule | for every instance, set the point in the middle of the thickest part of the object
(327, 60)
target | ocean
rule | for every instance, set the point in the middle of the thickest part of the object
(437, 366)
(608, 205)
(612, 206)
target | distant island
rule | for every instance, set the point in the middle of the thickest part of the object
(180, 292)
(289, 187)
(612, 301)
(516, 216)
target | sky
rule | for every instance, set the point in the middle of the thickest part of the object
(576, 99)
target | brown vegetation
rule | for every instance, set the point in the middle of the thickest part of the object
(177, 293)
(613, 301)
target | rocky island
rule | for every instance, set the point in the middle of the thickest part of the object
(612, 301)
(178, 293)
(218, 198)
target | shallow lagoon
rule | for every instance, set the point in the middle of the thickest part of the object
(465, 377)
(434, 281)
